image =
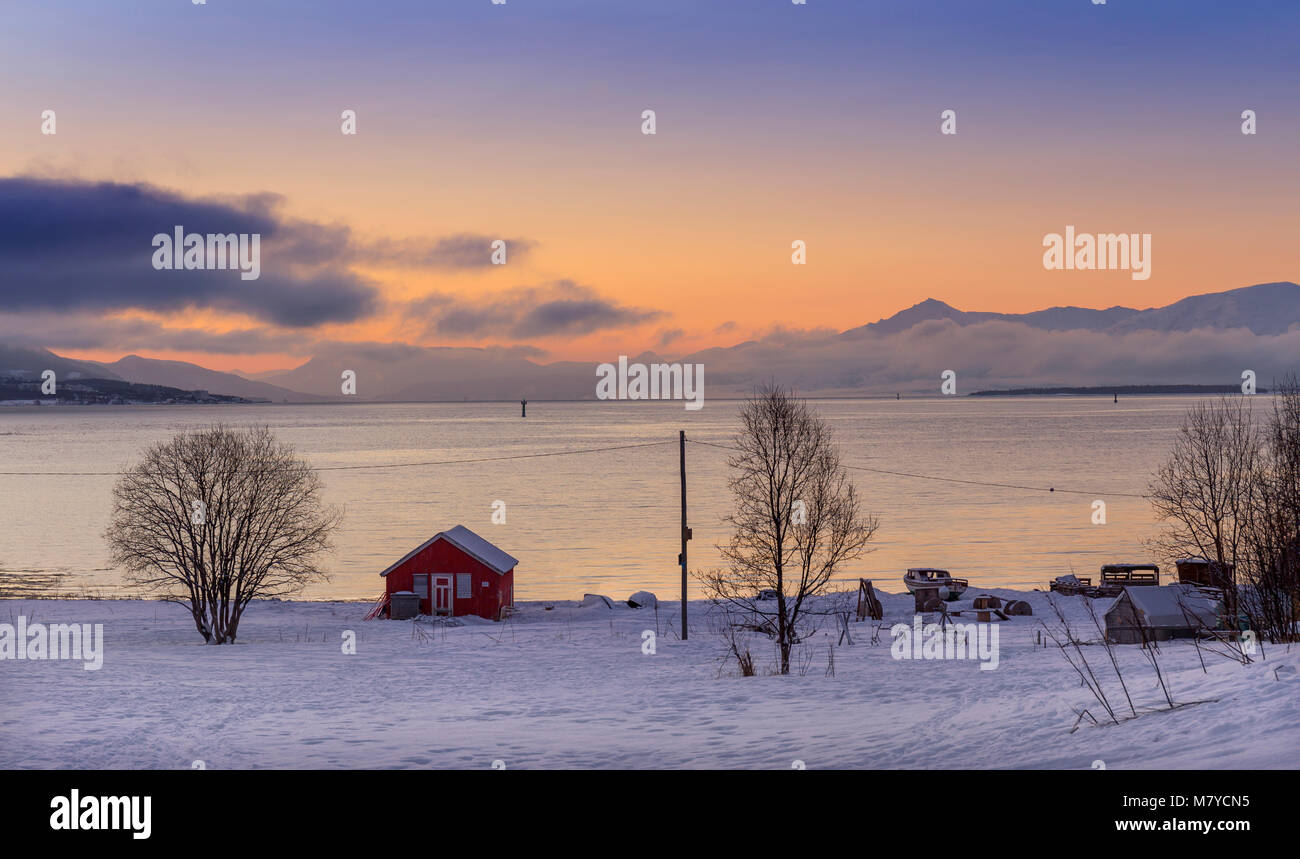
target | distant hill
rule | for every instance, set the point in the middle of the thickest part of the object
(399, 372)
(1051, 319)
(1265, 308)
(21, 363)
(181, 374)
(81, 391)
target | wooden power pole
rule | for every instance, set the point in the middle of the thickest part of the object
(686, 532)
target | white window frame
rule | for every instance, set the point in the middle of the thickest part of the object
(464, 586)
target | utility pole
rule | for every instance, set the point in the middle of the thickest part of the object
(686, 532)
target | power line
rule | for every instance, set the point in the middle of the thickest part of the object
(376, 465)
(436, 462)
(958, 479)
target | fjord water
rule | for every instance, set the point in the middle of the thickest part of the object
(609, 522)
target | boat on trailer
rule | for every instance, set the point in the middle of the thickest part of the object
(1114, 579)
(928, 577)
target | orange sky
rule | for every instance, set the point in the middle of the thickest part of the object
(697, 221)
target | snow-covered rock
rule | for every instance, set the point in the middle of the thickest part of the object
(643, 599)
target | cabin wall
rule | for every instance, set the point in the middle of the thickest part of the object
(503, 596)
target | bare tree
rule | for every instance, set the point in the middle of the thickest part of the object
(1230, 492)
(1271, 598)
(798, 517)
(215, 518)
(1203, 492)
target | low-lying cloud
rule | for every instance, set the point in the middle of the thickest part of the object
(87, 332)
(999, 355)
(557, 308)
(461, 251)
(987, 355)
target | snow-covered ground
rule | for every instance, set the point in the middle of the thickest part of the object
(572, 687)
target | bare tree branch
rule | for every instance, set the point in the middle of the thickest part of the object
(798, 518)
(215, 518)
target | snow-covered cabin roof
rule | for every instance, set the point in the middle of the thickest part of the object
(1171, 606)
(469, 543)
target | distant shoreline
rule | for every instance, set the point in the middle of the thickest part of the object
(1093, 391)
(1130, 390)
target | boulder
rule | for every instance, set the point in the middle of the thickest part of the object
(597, 599)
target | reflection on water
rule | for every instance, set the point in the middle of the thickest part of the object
(608, 522)
(30, 584)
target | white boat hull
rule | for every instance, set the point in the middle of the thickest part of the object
(949, 590)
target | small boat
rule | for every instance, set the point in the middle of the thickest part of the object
(927, 577)
(1070, 585)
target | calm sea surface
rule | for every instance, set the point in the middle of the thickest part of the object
(608, 522)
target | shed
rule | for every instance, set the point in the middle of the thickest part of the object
(1202, 571)
(1141, 614)
(455, 572)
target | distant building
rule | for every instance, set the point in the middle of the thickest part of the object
(1142, 614)
(1200, 571)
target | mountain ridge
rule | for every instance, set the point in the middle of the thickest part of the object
(1209, 335)
(1211, 309)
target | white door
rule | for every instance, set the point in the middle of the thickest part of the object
(442, 595)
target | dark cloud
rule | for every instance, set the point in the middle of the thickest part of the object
(88, 246)
(76, 245)
(561, 307)
(461, 251)
(669, 335)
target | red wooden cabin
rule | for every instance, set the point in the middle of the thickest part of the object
(456, 572)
